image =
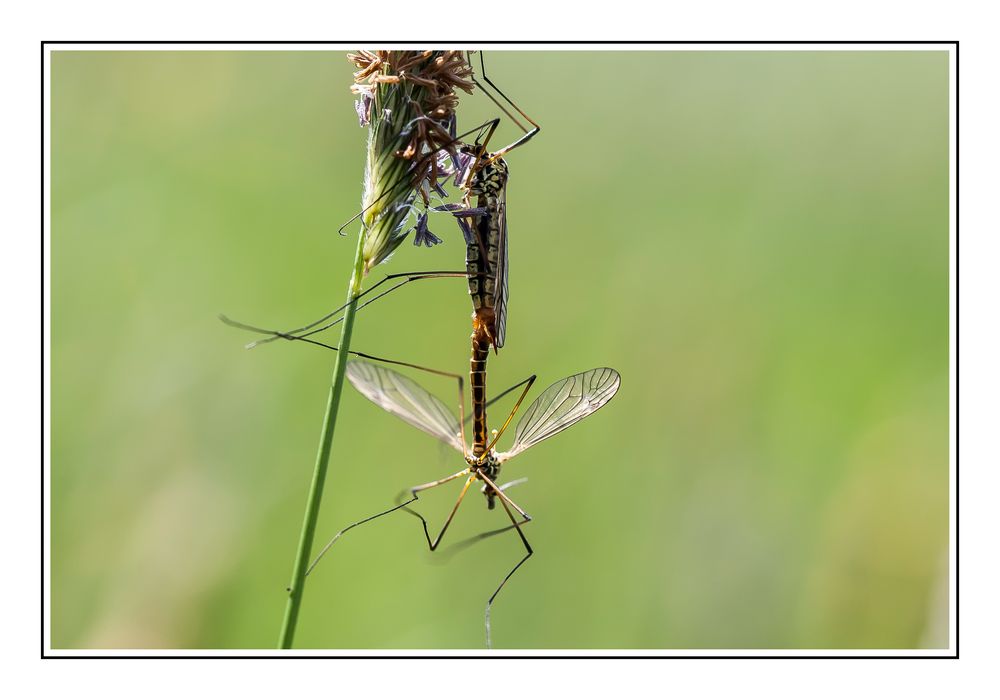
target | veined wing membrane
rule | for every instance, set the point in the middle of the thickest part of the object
(403, 397)
(502, 290)
(566, 402)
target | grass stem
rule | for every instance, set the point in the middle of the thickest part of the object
(297, 587)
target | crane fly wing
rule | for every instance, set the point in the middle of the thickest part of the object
(566, 402)
(403, 397)
(501, 271)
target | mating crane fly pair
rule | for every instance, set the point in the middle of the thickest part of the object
(484, 227)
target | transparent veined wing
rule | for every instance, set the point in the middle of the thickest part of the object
(502, 290)
(403, 397)
(566, 402)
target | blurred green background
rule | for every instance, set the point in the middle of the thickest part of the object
(757, 241)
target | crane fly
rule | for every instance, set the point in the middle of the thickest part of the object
(484, 228)
(563, 404)
(482, 175)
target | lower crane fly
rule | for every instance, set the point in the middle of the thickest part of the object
(563, 404)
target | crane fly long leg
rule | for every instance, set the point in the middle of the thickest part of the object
(482, 65)
(456, 548)
(529, 381)
(529, 552)
(501, 495)
(528, 133)
(352, 526)
(408, 277)
(499, 396)
(487, 92)
(413, 493)
(244, 326)
(414, 490)
(437, 540)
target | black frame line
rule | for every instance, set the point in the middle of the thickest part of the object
(278, 655)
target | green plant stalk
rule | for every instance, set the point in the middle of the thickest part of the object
(297, 587)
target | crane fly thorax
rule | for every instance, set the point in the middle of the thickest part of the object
(489, 181)
(488, 463)
(489, 466)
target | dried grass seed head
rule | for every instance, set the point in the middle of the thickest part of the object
(407, 100)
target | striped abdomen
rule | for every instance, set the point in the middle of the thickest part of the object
(486, 251)
(477, 379)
